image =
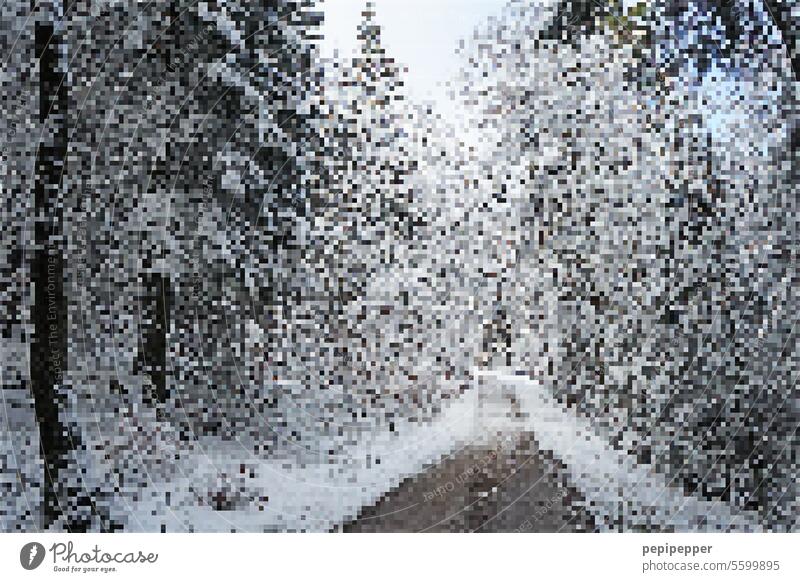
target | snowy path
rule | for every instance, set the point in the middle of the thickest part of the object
(320, 497)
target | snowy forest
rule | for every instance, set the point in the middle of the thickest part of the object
(250, 288)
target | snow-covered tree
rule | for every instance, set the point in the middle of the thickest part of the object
(646, 283)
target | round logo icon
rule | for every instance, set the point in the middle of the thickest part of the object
(31, 555)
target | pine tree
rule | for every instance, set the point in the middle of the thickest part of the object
(366, 342)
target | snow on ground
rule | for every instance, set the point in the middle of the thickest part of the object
(318, 497)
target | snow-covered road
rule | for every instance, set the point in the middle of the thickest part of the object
(319, 497)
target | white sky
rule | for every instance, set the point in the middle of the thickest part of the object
(421, 34)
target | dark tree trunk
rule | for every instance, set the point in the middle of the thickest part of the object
(48, 346)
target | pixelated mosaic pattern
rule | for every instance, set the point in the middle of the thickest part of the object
(248, 288)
